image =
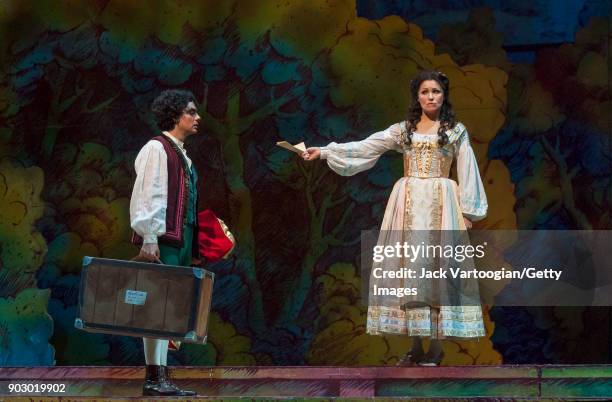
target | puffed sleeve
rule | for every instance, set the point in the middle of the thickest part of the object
(353, 157)
(472, 197)
(150, 194)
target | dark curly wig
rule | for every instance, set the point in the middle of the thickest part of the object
(168, 107)
(447, 116)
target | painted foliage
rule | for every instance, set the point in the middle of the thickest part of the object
(75, 88)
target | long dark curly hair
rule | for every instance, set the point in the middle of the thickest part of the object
(447, 116)
(169, 106)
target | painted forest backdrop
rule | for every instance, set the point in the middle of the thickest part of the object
(76, 82)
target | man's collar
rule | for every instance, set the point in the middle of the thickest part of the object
(178, 142)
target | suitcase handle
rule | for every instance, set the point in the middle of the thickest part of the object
(138, 258)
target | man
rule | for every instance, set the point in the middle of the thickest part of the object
(163, 211)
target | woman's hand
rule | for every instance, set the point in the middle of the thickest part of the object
(468, 223)
(311, 154)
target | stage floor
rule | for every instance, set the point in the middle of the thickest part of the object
(465, 382)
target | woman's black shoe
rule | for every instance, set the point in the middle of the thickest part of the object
(411, 358)
(429, 360)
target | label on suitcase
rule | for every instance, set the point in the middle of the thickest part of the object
(144, 299)
(135, 297)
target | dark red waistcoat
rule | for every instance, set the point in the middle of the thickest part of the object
(178, 193)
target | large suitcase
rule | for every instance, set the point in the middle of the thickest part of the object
(144, 299)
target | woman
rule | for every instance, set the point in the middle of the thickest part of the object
(425, 199)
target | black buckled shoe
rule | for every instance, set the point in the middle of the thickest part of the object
(178, 391)
(155, 384)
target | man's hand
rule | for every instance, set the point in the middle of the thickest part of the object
(468, 223)
(311, 154)
(150, 252)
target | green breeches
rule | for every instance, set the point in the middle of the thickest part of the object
(179, 256)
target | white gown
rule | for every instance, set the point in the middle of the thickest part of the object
(424, 199)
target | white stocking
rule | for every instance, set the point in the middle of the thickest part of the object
(163, 353)
(152, 350)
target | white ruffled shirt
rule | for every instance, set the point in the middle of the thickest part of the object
(150, 194)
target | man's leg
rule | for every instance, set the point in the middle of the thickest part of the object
(155, 350)
(154, 379)
(169, 256)
(180, 257)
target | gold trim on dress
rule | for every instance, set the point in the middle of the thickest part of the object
(407, 224)
(436, 210)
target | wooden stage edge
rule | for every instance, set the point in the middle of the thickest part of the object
(512, 382)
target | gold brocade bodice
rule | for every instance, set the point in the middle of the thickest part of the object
(426, 159)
